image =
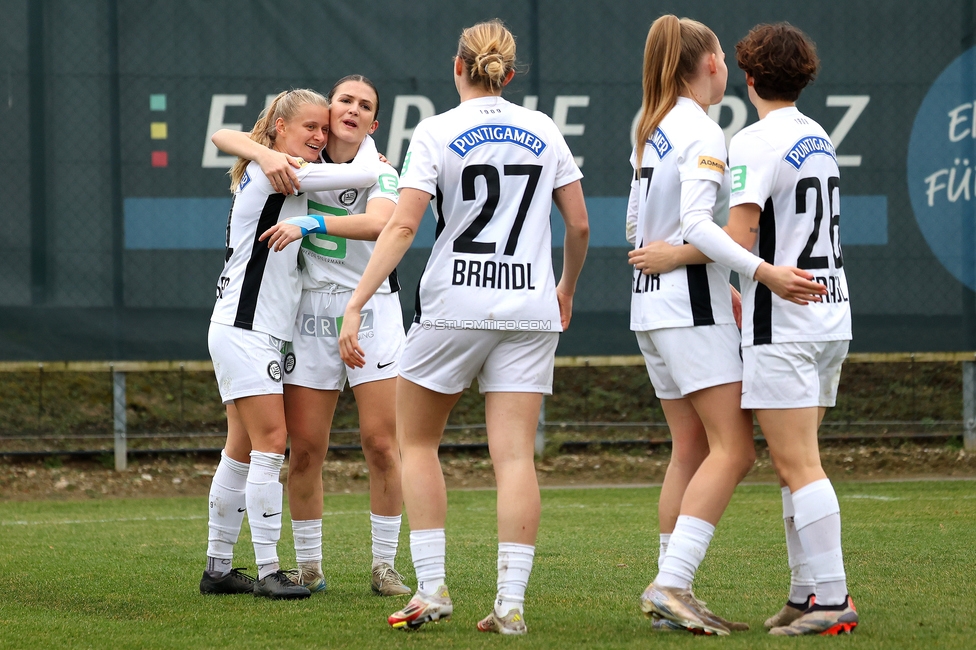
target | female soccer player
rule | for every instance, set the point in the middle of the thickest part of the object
(334, 257)
(683, 318)
(257, 298)
(487, 307)
(786, 206)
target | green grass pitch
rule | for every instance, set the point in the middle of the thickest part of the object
(124, 574)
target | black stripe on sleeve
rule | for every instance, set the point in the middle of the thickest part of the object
(700, 294)
(254, 271)
(762, 315)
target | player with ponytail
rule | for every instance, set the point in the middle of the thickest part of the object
(258, 293)
(683, 316)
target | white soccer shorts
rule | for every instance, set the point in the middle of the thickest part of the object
(792, 375)
(313, 360)
(246, 363)
(447, 361)
(683, 360)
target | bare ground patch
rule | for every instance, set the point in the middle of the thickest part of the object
(53, 478)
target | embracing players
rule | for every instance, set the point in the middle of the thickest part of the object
(336, 245)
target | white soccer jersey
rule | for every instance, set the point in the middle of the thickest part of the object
(259, 289)
(331, 260)
(491, 168)
(785, 164)
(687, 147)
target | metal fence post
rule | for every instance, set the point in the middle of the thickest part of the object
(118, 412)
(540, 431)
(969, 404)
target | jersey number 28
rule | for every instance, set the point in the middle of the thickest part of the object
(807, 260)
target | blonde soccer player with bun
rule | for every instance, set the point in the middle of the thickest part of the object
(258, 295)
(683, 316)
(488, 307)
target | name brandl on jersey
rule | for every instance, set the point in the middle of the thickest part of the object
(490, 168)
(488, 274)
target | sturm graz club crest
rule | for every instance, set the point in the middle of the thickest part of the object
(289, 362)
(274, 370)
(348, 197)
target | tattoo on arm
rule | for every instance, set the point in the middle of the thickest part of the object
(754, 230)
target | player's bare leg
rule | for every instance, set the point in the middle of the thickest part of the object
(309, 415)
(793, 446)
(264, 418)
(689, 447)
(802, 585)
(731, 455)
(238, 444)
(421, 417)
(420, 420)
(792, 438)
(512, 419)
(376, 401)
(731, 452)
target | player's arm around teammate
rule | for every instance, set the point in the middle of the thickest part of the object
(786, 204)
(443, 354)
(257, 296)
(316, 374)
(684, 319)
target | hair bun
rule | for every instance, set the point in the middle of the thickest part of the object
(488, 52)
(491, 65)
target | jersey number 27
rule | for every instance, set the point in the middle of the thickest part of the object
(465, 243)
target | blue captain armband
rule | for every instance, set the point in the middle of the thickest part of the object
(313, 223)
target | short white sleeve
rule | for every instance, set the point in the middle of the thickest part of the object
(752, 173)
(422, 162)
(567, 170)
(704, 158)
(386, 186)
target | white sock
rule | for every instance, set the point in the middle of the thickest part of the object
(817, 522)
(663, 549)
(802, 584)
(386, 537)
(308, 541)
(428, 548)
(263, 493)
(226, 513)
(514, 567)
(686, 550)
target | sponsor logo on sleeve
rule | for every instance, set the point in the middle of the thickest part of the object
(738, 178)
(463, 143)
(388, 183)
(245, 179)
(806, 147)
(714, 164)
